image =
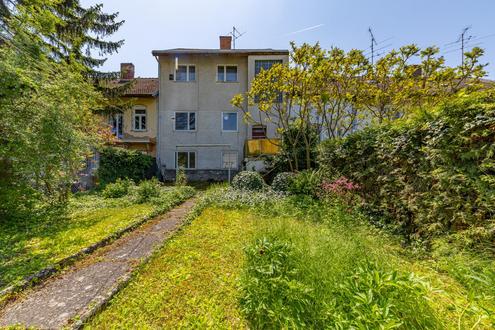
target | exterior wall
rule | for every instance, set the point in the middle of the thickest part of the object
(151, 119)
(144, 141)
(208, 99)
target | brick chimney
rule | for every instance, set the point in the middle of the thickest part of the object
(225, 42)
(126, 70)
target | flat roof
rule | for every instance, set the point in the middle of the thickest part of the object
(239, 52)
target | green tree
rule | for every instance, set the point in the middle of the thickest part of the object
(49, 89)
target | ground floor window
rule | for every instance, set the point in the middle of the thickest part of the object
(230, 159)
(185, 159)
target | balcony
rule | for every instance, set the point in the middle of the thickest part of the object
(257, 147)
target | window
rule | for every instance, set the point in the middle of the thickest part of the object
(185, 159)
(139, 120)
(258, 132)
(229, 121)
(185, 121)
(227, 73)
(230, 159)
(266, 65)
(185, 73)
(117, 123)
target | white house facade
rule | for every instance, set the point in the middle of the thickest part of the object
(198, 129)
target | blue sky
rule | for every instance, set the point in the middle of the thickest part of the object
(161, 24)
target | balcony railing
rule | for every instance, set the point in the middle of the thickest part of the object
(259, 147)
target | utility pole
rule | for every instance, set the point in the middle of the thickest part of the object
(373, 44)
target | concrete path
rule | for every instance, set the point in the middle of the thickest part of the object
(82, 288)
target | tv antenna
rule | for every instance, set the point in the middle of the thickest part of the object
(463, 39)
(236, 34)
(373, 44)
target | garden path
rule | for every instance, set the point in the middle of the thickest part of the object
(73, 296)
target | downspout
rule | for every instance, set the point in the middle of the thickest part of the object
(158, 160)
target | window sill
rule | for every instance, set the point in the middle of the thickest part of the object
(227, 82)
(184, 81)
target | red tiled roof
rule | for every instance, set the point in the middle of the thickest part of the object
(142, 87)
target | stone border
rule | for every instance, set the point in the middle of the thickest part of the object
(81, 319)
(37, 278)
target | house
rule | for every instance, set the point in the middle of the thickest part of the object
(136, 128)
(198, 128)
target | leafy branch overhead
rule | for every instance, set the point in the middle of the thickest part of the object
(335, 91)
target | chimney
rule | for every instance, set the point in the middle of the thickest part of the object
(225, 42)
(126, 71)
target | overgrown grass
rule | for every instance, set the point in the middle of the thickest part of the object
(30, 245)
(191, 282)
(269, 261)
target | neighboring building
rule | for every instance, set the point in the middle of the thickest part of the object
(136, 128)
(198, 128)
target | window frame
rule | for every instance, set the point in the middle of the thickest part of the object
(236, 121)
(274, 61)
(236, 159)
(262, 127)
(114, 117)
(188, 121)
(225, 73)
(189, 152)
(145, 115)
(188, 78)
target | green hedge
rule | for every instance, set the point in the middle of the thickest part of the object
(119, 163)
(434, 174)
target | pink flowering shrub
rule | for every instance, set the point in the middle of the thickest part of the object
(342, 188)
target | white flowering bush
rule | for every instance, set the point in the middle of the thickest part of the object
(283, 181)
(248, 180)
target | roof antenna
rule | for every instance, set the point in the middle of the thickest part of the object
(373, 44)
(236, 34)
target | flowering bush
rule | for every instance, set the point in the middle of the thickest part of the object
(248, 180)
(342, 188)
(283, 181)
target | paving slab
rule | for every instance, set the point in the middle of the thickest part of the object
(65, 297)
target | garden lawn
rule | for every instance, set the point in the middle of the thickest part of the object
(295, 263)
(192, 282)
(28, 246)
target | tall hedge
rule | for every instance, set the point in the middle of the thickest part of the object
(431, 175)
(122, 163)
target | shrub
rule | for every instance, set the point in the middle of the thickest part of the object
(372, 297)
(121, 163)
(283, 181)
(306, 183)
(248, 180)
(119, 188)
(148, 189)
(181, 177)
(428, 176)
(271, 295)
